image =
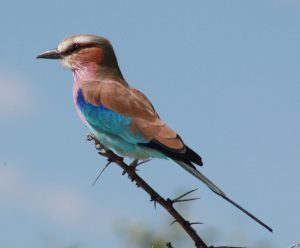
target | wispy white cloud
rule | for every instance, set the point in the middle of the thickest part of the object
(62, 205)
(15, 94)
(11, 182)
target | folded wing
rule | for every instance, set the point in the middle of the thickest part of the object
(128, 102)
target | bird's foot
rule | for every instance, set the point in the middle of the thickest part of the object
(98, 145)
(132, 167)
(90, 137)
(134, 164)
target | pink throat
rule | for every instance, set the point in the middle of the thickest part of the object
(80, 76)
(88, 72)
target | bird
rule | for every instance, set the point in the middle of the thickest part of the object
(121, 117)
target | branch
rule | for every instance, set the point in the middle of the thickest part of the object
(167, 204)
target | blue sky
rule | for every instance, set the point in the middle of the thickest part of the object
(223, 74)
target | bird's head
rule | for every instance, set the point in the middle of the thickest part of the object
(79, 51)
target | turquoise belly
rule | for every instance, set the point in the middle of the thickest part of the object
(113, 130)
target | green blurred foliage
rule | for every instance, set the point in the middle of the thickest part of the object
(140, 234)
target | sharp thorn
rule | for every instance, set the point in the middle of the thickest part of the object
(169, 245)
(185, 194)
(196, 223)
(144, 161)
(227, 247)
(294, 246)
(154, 201)
(185, 200)
(174, 221)
(108, 163)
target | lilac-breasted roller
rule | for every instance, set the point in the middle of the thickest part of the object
(121, 117)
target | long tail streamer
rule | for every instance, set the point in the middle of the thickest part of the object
(218, 191)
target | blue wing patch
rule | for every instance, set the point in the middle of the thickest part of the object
(107, 121)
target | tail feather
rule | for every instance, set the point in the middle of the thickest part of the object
(218, 191)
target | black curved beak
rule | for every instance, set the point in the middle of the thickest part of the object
(51, 54)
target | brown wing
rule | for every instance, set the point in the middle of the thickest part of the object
(131, 102)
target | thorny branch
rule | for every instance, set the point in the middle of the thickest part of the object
(167, 204)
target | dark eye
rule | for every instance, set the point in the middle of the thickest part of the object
(75, 46)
